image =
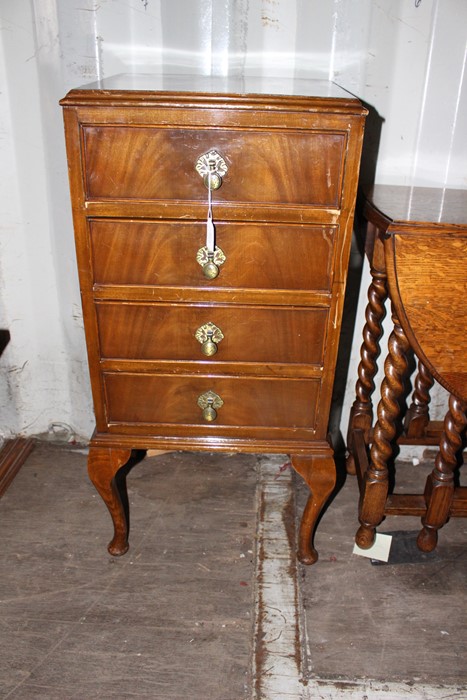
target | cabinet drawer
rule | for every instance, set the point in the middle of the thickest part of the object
(250, 334)
(258, 256)
(271, 167)
(168, 399)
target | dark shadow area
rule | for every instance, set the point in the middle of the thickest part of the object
(404, 550)
(370, 149)
(4, 339)
(120, 480)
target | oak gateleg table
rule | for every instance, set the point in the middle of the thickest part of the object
(416, 241)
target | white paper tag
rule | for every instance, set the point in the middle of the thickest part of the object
(379, 550)
(210, 234)
(210, 230)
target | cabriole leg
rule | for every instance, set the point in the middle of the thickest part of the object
(319, 473)
(103, 464)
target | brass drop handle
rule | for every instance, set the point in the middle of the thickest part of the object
(209, 402)
(209, 414)
(209, 335)
(210, 269)
(210, 261)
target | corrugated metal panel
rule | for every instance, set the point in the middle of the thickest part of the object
(406, 58)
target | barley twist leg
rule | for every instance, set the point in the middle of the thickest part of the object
(439, 488)
(376, 477)
(418, 415)
(361, 414)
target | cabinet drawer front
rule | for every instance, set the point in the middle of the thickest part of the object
(258, 256)
(251, 334)
(270, 167)
(150, 398)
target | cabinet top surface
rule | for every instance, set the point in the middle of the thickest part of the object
(417, 205)
(152, 88)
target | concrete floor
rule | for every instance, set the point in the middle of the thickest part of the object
(179, 615)
(402, 621)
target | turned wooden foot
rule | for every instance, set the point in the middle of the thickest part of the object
(103, 464)
(319, 473)
(427, 539)
(365, 536)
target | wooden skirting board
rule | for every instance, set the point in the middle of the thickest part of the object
(12, 457)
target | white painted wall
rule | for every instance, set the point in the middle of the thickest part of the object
(404, 57)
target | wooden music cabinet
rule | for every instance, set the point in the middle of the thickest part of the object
(216, 338)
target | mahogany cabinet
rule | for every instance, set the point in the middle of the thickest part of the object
(221, 334)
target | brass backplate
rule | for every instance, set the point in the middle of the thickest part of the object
(210, 398)
(209, 331)
(218, 257)
(211, 162)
